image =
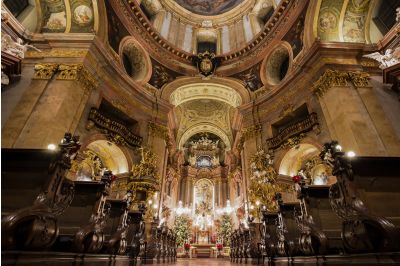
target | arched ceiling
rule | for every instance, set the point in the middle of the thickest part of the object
(210, 91)
(204, 115)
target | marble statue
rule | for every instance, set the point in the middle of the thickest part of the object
(390, 58)
(16, 48)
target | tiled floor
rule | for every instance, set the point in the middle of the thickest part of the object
(200, 262)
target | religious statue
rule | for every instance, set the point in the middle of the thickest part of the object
(15, 48)
(390, 58)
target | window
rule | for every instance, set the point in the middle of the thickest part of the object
(16, 6)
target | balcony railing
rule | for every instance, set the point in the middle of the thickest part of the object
(302, 126)
(114, 128)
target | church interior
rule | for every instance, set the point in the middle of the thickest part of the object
(192, 132)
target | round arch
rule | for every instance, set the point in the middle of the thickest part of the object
(203, 127)
(227, 90)
(112, 156)
(294, 157)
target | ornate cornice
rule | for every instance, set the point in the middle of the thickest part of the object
(56, 53)
(335, 78)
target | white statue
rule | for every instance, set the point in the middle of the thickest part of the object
(390, 58)
(15, 48)
(398, 14)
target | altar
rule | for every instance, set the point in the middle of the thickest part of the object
(203, 250)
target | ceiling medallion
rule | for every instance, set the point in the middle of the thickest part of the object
(206, 63)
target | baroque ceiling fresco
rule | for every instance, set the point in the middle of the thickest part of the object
(202, 112)
(209, 7)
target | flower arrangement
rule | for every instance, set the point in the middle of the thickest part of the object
(186, 246)
(219, 246)
(296, 178)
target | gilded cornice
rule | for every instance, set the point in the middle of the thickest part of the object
(335, 78)
(56, 53)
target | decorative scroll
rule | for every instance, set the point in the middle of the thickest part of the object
(292, 135)
(90, 238)
(116, 131)
(37, 226)
(362, 231)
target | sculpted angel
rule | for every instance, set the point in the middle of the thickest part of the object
(390, 58)
(16, 48)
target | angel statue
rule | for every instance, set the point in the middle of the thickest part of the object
(15, 48)
(390, 58)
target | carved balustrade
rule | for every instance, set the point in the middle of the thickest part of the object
(307, 124)
(118, 132)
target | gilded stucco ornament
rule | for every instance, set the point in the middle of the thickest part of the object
(69, 71)
(160, 131)
(56, 53)
(249, 133)
(264, 180)
(332, 78)
(206, 63)
(147, 166)
(45, 71)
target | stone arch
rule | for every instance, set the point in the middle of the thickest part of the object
(233, 92)
(293, 159)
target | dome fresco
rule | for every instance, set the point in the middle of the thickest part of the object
(209, 7)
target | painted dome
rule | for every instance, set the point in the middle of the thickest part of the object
(208, 7)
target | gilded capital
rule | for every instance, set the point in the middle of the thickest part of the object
(45, 71)
(160, 131)
(332, 78)
(329, 79)
(69, 71)
(87, 80)
(249, 133)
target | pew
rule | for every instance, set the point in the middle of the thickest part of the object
(35, 192)
(364, 198)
